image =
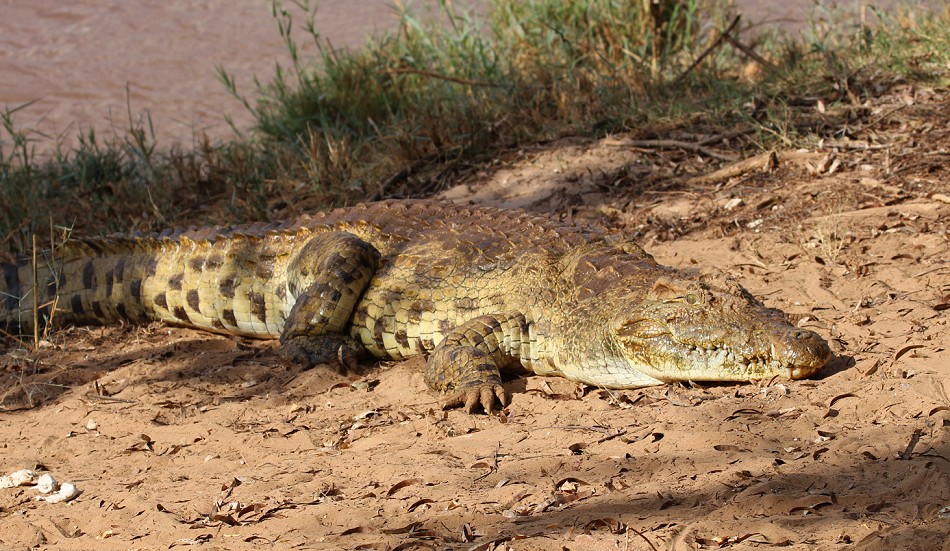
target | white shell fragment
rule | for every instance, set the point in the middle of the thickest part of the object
(66, 492)
(23, 477)
(46, 484)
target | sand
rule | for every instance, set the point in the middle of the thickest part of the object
(177, 438)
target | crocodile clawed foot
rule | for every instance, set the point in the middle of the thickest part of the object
(470, 398)
(348, 358)
(296, 355)
(308, 352)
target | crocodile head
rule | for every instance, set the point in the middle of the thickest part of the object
(711, 329)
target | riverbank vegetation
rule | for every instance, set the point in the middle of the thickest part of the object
(445, 91)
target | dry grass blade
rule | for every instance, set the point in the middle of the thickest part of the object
(36, 306)
(747, 50)
(909, 450)
(716, 44)
(430, 74)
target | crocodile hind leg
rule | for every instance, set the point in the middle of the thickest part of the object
(326, 279)
(465, 365)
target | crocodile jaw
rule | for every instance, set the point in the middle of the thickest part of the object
(792, 353)
(615, 373)
(713, 330)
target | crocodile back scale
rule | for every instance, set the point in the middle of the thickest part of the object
(474, 288)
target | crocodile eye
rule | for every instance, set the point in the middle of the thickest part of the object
(691, 299)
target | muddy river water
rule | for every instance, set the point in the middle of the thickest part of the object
(84, 63)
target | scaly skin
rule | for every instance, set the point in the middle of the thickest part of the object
(476, 289)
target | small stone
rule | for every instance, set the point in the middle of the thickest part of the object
(733, 203)
(46, 484)
(23, 477)
(66, 492)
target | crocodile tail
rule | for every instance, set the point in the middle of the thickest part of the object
(20, 309)
(83, 282)
(12, 297)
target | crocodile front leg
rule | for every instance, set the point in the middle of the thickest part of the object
(326, 281)
(465, 365)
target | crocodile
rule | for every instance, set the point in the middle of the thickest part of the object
(474, 289)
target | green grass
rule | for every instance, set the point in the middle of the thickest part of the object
(532, 71)
(333, 128)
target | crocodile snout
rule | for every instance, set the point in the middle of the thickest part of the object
(806, 353)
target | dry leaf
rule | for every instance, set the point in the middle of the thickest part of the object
(560, 486)
(905, 350)
(399, 485)
(411, 527)
(419, 503)
(743, 412)
(197, 540)
(613, 525)
(841, 397)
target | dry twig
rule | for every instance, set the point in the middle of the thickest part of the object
(430, 74)
(710, 49)
(677, 144)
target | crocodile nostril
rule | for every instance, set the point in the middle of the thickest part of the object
(803, 334)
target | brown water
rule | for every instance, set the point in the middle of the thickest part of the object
(84, 63)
